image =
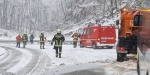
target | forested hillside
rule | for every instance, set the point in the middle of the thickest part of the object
(32, 16)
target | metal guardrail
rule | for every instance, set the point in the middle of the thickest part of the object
(35, 41)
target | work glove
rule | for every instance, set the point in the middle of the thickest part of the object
(51, 43)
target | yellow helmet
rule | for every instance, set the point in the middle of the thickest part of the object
(24, 33)
(58, 31)
(42, 32)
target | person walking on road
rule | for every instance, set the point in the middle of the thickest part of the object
(24, 39)
(31, 38)
(42, 40)
(75, 39)
(18, 39)
(58, 39)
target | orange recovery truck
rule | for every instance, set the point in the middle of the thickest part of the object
(142, 20)
(98, 36)
(127, 34)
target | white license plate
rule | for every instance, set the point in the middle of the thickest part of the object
(119, 51)
(103, 40)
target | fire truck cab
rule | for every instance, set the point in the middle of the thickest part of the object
(98, 36)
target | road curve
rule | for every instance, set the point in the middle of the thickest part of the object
(38, 65)
(9, 60)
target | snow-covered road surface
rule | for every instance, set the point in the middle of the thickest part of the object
(29, 62)
(82, 58)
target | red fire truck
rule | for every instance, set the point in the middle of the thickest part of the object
(98, 36)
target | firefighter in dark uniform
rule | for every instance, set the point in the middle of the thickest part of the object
(42, 40)
(75, 39)
(24, 39)
(58, 39)
(31, 38)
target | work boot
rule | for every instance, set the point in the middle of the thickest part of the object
(40, 47)
(59, 56)
(43, 48)
(56, 55)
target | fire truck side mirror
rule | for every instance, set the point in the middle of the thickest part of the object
(117, 22)
(137, 20)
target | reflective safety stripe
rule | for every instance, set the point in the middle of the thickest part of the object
(58, 44)
(58, 36)
(24, 38)
(74, 40)
(59, 52)
(41, 39)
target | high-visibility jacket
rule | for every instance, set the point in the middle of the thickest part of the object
(24, 37)
(58, 39)
(75, 37)
(42, 37)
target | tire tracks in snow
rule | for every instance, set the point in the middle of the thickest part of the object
(10, 59)
(38, 65)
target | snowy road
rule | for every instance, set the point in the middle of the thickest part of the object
(9, 60)
(13, 63)
(74, 61)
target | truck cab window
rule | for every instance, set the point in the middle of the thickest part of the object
(89, 32)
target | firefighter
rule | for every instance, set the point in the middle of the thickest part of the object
(75, 39)
(31, 38)
(58, 39)
(24, 39)
(42, 40)
(18, 39)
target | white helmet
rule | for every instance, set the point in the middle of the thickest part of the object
(58, 31)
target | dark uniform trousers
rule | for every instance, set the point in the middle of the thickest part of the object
(75, 40)
(42, 44)
(58, 49)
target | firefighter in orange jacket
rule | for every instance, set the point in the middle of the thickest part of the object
(19, 39)
(58, 39)
(75, 39)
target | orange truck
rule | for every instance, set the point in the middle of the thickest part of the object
(127, 34)
(142, 20)
(98, 36)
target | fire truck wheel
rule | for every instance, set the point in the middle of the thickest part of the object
(94, 46)
(81, 45)
(120, 57)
